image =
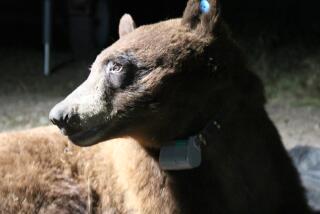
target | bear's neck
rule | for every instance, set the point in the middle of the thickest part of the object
(192, 190)
(198, 190)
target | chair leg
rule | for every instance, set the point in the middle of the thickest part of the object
(47, 35)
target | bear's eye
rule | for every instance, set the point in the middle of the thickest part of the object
(116, 75)
(114, 67)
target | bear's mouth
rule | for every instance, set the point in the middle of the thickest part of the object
(88, 137)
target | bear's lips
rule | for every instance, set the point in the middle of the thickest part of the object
(88, 137)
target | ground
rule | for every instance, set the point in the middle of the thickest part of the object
(26, 96)
(298, 125)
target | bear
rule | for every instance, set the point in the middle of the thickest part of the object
(160, 87)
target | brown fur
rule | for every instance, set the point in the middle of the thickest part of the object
(45, 173)
(187, 73)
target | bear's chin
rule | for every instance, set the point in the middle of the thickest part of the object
(88, 137)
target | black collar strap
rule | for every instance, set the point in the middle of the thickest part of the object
(201, 136)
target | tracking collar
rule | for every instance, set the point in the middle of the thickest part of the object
(185, 154)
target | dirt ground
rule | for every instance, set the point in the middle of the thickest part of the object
(26, 95)
(298, 125)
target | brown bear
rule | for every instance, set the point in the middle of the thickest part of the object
(181, 80)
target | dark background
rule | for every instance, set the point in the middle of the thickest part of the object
(278, 21)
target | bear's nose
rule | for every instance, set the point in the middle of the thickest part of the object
(58, 117)
(67, 121)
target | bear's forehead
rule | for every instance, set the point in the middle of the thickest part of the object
(150, 42)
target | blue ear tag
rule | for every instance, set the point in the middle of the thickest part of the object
(204, 6)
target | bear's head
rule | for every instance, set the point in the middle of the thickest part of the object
(157, 82)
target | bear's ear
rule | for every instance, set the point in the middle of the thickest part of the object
(202, 15)
(126, 25)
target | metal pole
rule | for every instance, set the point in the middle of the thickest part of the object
(46, 35)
